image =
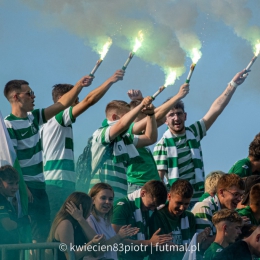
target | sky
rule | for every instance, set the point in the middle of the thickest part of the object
(46, 42)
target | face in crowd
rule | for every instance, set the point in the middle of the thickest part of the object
(103, 202)
(177, 203)
(175, 119)
(230, 197)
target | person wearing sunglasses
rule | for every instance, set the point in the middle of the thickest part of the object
(23, 124)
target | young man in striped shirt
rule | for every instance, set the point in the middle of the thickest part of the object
(178, 154)
(23, 126)
(116, 135)
(57, 139)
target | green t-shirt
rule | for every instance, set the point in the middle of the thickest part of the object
(212, 251)
(140, 173)
(242, 168)
(182, 233)
(204, 196)
(124, 212)
(248, 213)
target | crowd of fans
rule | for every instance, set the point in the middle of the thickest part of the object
(125, 201)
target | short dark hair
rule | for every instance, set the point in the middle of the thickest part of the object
(59, 90)
(178, 105)
(157, 190)
(134, 103)
(8, 173)
(13, 85)
(182, 188)
(254, 148)
(118, 105)
(254, 196)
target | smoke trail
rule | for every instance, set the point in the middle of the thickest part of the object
(235, 14)
(168, 25)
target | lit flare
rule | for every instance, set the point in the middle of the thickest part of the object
(138, 44)
(103, 54)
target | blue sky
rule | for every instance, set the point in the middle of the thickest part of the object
(39, 46)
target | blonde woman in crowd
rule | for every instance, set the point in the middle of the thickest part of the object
(102, 196)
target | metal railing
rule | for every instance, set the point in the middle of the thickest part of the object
(38, 251)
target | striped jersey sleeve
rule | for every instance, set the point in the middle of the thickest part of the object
(65, 117)
(160, 155)
(203, 212)
(198, 129)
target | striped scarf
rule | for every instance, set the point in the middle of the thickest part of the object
(136, 197)
(123, 147)
(196, 155)
(185, 225)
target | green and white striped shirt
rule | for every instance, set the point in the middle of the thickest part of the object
(58, 155)
(24, 133)
(112, 173)
(187, 162)
(203, 212)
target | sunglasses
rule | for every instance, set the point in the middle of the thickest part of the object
(30, 93)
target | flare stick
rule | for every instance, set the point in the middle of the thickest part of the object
(131, 55)
(192, 67)
(96, 67)
(158, 92)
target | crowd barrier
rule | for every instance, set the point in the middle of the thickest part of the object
(39, 252)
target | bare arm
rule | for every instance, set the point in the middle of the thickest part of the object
(65, 234)
(67, 99)
(221, 102)
(161, 111)
(162, 174)
(95, 95)
(150, 135)
(124, 123)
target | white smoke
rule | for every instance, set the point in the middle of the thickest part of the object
(168, 25)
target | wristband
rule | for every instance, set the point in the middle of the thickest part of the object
(233, 83)
(150, 114)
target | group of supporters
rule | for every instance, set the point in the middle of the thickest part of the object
(130, 202)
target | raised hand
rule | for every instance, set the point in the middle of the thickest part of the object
(147, 101)
(160, 239)
(72, 209)
(240, 77)
(184, 90)
(85, 81)
(148, 110)
(135, 94)
(127, 231)
(118, 75)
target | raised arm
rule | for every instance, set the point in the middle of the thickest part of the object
(161, 111)
(150, 135)
(67, 99)
(124, 122)
(95, 95)
(221, 102)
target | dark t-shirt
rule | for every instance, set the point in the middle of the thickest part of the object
(7, 211)
(79, 240)
(238, 251)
